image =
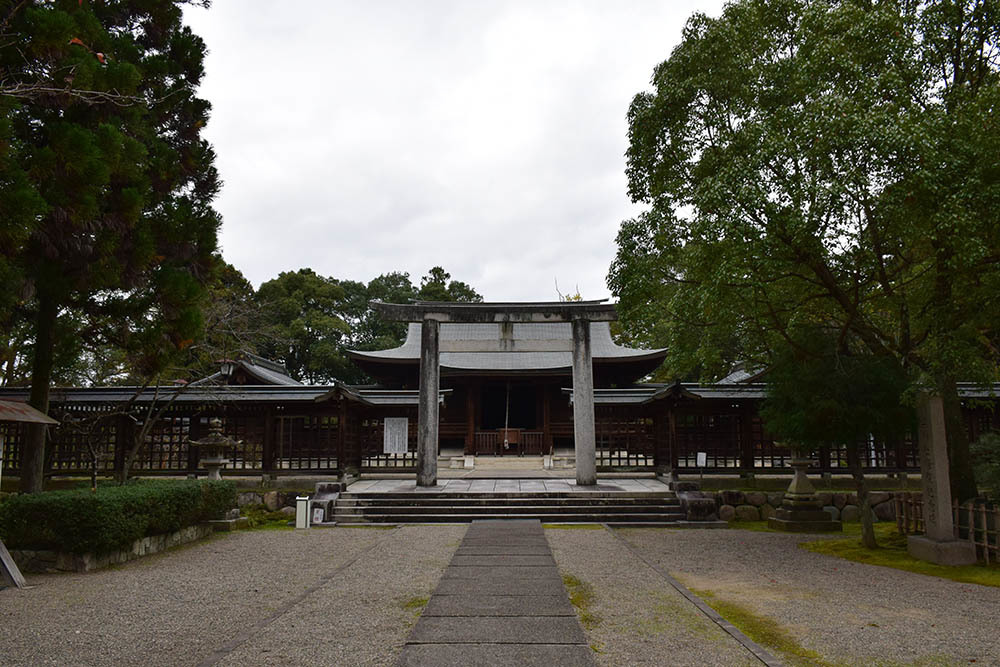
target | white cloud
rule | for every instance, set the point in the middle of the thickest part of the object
(358, 138)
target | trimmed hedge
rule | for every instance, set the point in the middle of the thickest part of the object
(112, 518)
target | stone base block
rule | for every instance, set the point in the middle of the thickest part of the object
(817, 514)
(950, 552)
(697, 508)
(229, 525)
(796, 525)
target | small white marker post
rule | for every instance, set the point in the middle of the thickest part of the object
(702, 461)
(301, 511)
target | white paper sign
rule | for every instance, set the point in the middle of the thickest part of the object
(702, 459)
(395, 435)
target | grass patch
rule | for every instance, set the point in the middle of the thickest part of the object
(572, 526)
(263, 519)
(416, 604)
(882, 528)
(763, 630)
(581, 596)
(892, 553)
(837, 484)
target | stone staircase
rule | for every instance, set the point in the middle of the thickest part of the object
(620, 508)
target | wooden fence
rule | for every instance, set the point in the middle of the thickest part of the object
(977, 521)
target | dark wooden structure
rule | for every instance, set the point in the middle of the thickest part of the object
(498, 397)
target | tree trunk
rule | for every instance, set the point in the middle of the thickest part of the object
(864, 502)
(960, 471)
(33, 454)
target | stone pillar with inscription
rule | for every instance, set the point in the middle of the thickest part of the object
(427, 419)
(584, 433)
(938, 543)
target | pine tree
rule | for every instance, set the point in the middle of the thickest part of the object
(109, 180)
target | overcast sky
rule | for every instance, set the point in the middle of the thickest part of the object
(487, 137)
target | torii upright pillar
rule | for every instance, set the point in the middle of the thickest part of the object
(432, 314)
(427, 417)
(584, 433)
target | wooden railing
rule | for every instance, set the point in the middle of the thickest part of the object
(490, 443)
(976, 521)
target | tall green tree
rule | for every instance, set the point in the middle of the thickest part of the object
(109, 180)
(831, 164)
(828, 391)
(437, 285)
(303, 326)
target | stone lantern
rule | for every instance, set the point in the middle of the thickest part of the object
(801, 510)
(213, 449)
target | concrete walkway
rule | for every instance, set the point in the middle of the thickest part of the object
(501, 601)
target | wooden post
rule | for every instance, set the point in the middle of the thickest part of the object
(194, 433)
(124, 430)
(547, 444)
(267, 446)
(470, 419)
(746, 441)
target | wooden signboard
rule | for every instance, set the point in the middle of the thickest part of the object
(395, 436)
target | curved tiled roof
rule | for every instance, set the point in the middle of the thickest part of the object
(508, 347)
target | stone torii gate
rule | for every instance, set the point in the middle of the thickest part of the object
(431, 314)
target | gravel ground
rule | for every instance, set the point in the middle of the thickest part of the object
(361, 616)
(639, 619)
(847, 612)
(180, 607)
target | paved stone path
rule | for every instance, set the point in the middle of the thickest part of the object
(501, 601)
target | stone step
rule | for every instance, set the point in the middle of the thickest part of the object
(458, 495)
(449, 502)
(617, 519)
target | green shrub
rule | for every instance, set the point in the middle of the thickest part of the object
(81, 521)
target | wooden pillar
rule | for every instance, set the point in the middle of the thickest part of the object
(267, 446)
(124, 432)
(547, 444)
(672, 438)
(746, 439)
(470, 418)
(194, 433)
(427, 419)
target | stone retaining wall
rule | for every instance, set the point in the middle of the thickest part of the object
(275, 500)
(760, 506)
(61, 561)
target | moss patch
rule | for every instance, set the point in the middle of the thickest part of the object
(572, 526)
(263, 519)
(581, 596)
(416, 604)
(763, 630)
(892, 553)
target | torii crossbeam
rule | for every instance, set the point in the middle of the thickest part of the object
(431, 314)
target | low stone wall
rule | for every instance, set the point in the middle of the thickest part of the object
(275, 500)
(60, 561)
(272, 500)
(760, 506)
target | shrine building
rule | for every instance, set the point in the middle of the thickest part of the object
(539, 380)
